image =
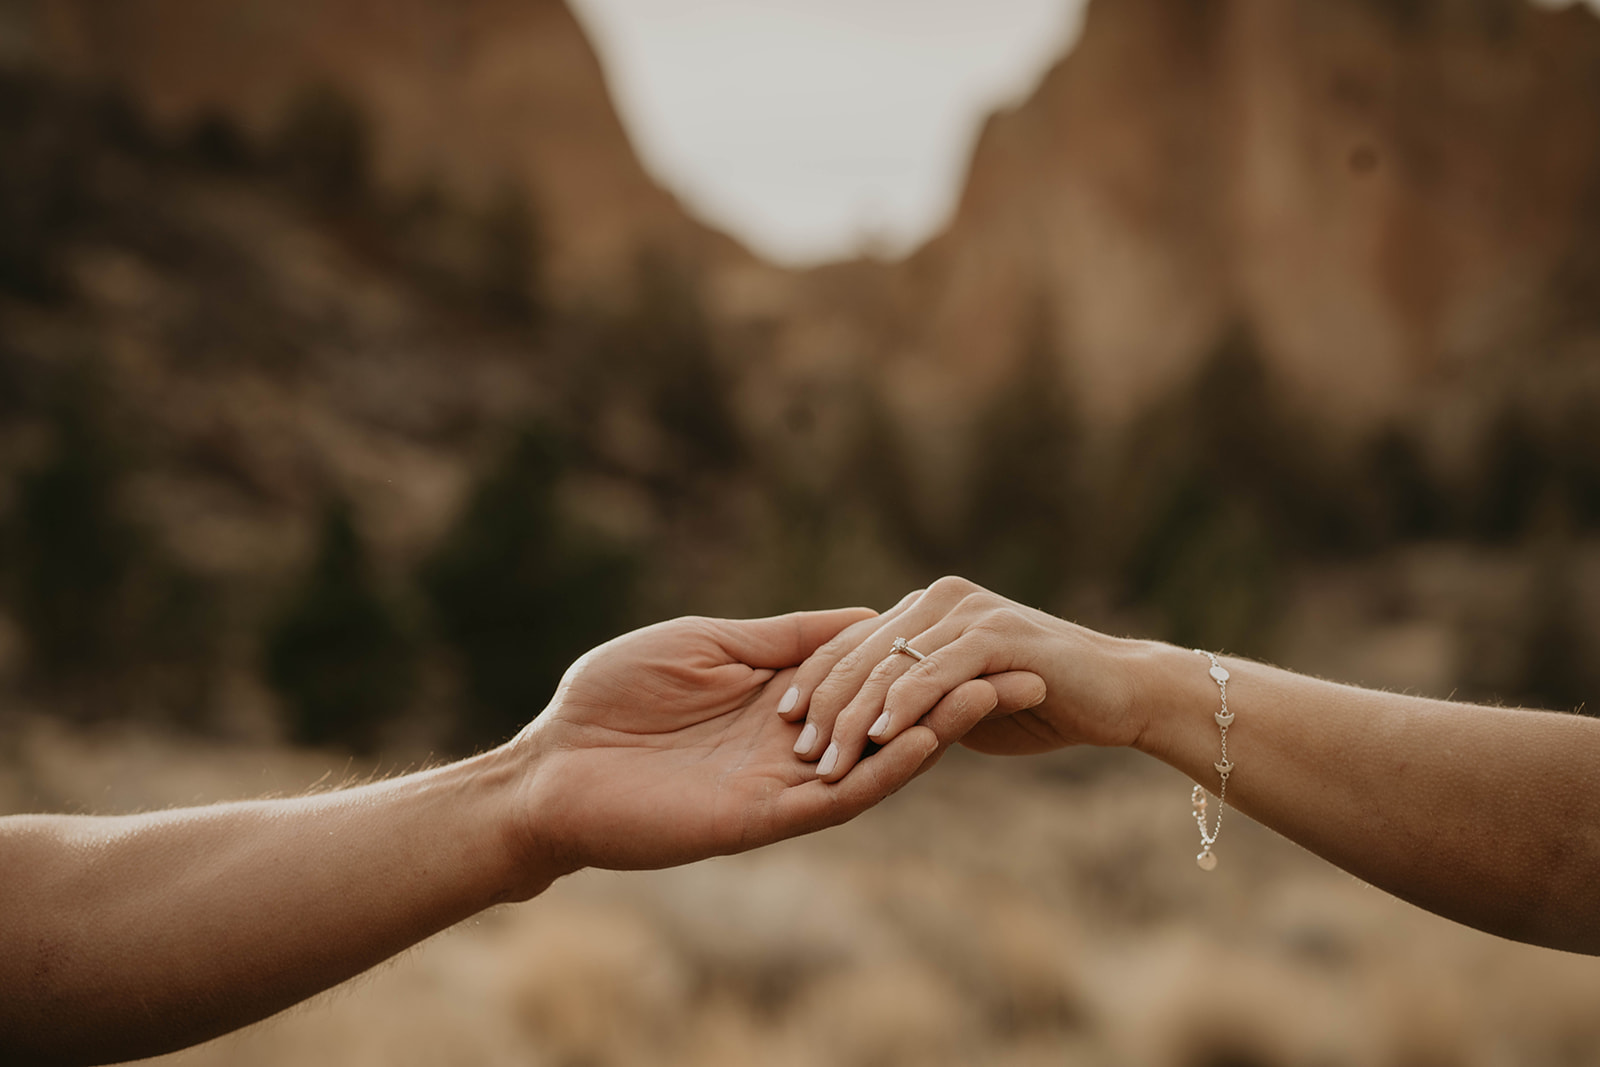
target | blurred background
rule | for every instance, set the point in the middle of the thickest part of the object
(362, 364)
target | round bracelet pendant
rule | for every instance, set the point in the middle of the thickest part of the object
(1206, 861)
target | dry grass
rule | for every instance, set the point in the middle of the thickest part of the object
(995, 913)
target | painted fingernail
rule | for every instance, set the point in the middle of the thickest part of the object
(790, 699)
(879, 727)
(808, 737)
(829, 759)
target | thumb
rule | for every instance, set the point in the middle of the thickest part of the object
(1016, 691)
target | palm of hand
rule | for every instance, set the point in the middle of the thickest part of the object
(664, 746)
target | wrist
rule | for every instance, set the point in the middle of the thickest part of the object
(515, 773)
(1102, 681)
(1173, 698)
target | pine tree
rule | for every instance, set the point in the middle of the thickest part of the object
(1025, 510)
(518, 592)
(72, 552)
(338, 656)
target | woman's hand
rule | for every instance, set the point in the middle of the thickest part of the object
(664, 746)
(998, 676)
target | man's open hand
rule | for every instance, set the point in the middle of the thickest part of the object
(665, 746)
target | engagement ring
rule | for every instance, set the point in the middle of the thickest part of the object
(900, 645)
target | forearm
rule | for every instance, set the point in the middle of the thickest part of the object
(123, 937)
(1488, 816)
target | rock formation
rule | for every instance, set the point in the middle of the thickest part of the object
(468, 96)
(1388, 196)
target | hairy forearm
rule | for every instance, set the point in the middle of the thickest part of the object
(126, 936)
(1488, 816)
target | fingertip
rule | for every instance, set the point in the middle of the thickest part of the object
(829, 762)
(806, 742)
(788, 707)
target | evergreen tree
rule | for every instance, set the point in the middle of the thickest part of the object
(879, 478)
(517, 592)
(111, 623)
(338, 656)
(1516, 476)
(1406, 494)
(511, 268)
(72, 553)
(1214, 490)
(325, 148)
(1558, 669)
(667, 340)
(1026, 507)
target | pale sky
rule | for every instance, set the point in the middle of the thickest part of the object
(810, 129)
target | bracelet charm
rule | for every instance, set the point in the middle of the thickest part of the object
(1207, 859)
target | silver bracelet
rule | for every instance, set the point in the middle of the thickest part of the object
(1197, 796)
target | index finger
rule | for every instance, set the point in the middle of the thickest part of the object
(787, 640)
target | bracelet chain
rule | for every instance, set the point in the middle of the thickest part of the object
(1207, 860)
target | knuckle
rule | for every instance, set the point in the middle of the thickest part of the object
(910, 599)
(883, 671)
(952, 587)
(983, 602)
(835, 648)
(903, 691)
(701, 624)
(851, 636)
(826, 696)
(997, 619)
(928, 668)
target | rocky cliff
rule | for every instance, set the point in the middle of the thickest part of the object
(1389, 197)
(469, 97)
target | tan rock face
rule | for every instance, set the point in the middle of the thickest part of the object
(469, 95)
(1388, 196)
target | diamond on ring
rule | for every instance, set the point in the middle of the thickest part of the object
(903, 646)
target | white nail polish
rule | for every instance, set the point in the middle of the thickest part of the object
(880, 726)
(829, 759)
(790, 699)
(808, 737)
